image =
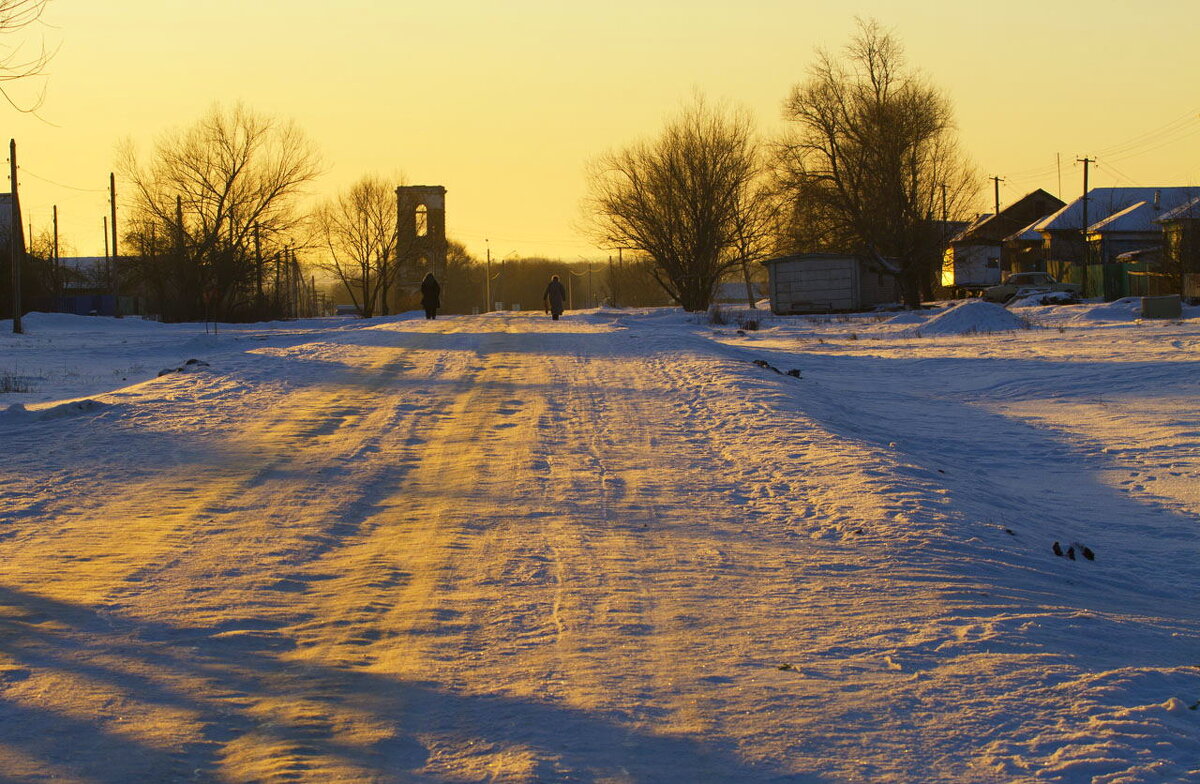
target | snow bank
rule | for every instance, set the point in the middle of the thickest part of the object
(71, 323)
(1043, 298)
(973, 316)
(17, 413)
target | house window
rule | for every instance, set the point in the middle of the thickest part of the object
(422, 220)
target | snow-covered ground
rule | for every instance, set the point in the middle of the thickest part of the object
(620, 547)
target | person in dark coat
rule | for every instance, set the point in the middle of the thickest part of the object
(431, 295)
(555, 296)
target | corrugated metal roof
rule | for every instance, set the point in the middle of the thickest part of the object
(1189, 209)
(1104, 202)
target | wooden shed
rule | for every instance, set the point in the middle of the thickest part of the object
(830, 282)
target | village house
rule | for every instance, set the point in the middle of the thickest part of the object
(1180, 254)
(974, 258)
(1119, 221)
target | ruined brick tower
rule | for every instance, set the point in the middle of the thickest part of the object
(421, 230)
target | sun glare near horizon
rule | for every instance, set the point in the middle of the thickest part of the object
(504, 104)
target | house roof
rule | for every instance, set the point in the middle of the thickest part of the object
(1136, 217)
(887, 265)
(1104, 202)
(994, 228)
(1027, 234)
(965, 234)
(1189, 210)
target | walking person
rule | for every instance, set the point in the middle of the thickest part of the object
(555, 296)
(431, 295)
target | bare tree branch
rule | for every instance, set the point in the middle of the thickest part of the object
(871, 155)
(678, 198)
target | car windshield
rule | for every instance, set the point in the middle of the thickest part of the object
(1022, 280)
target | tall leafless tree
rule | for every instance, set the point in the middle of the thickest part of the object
(676, 199)
(224, 193)
(16, 62)
(357, 231)
(872, 161)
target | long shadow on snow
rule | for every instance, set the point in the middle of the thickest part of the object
(1050, 493)
(131, 664)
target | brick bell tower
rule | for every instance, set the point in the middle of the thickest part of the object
(421, 231)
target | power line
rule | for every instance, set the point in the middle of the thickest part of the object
(62, 185)
(1151, 136)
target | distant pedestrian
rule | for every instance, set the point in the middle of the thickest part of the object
(431, 295)
(555, 296)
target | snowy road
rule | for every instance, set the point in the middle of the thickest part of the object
(509, 550)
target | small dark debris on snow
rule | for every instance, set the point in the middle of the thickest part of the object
(1010, 532)
(191, 364)
(794, 373)
(1074, 547)
(785, 667)
(762, 363)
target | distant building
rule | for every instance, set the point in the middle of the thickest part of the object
(1082, 242)
(975, 256)
(830, 282)
(1181, 246)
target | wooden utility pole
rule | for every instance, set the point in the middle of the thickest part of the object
(258, 292)
(116, 271)
(1084, 227)
(487, 281)
(14, 239)
(996, 182)
(58, 276)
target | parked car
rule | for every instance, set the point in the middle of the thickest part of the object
(1029, 283)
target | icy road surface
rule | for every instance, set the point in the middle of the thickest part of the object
(609, 549)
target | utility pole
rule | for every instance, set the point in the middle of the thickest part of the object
(14, 239)
(1084, 227)
(258, 292)
(487, 280)
(996, 182)
(116, 271)
(57, 265)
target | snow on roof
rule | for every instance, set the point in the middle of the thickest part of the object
(1189, 209)
(981, 219)
(1027, 234)
(1104, 202)
(1137, 217)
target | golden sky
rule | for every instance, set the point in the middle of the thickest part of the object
(504, 101)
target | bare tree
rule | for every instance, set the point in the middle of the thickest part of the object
(676, 199)
(756, 230)
(357, 230)
(223, 193)
(16, 15)
(873, 158)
